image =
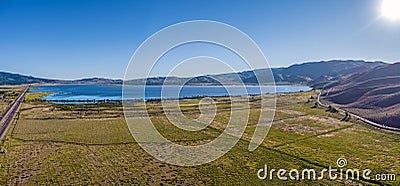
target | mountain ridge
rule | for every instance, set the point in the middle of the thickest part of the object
(374, 94)
(310, 73)
(320, 72)
(10, 78)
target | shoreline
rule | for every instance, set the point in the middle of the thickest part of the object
(119, 101)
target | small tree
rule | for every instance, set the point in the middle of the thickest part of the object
(347, 117)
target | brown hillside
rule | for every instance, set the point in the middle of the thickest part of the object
(374, 95)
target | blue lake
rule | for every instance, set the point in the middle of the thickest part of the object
(109, 92)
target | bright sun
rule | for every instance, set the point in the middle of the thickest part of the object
(391, 9)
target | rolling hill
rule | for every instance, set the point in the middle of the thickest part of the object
(374, 94)
(17, 79)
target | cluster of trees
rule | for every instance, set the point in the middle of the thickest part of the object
(30, 100)
(4, 95)
(86, 101)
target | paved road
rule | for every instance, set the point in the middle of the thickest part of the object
(359, 118)
(10, 112)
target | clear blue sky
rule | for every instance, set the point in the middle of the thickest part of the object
(72, 39)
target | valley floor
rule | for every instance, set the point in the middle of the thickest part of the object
(91, 144)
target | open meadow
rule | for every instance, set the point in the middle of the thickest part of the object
(91, 144)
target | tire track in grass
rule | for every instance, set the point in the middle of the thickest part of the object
(313, 136)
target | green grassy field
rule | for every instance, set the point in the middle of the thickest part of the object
(91, 144)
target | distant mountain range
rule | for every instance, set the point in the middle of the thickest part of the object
(374, 94)
(17, 79)
(311, 73)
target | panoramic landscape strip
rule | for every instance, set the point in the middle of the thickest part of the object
(262, 92)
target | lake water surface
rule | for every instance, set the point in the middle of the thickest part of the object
(109, 92)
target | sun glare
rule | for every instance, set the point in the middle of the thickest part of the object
(391, 9)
